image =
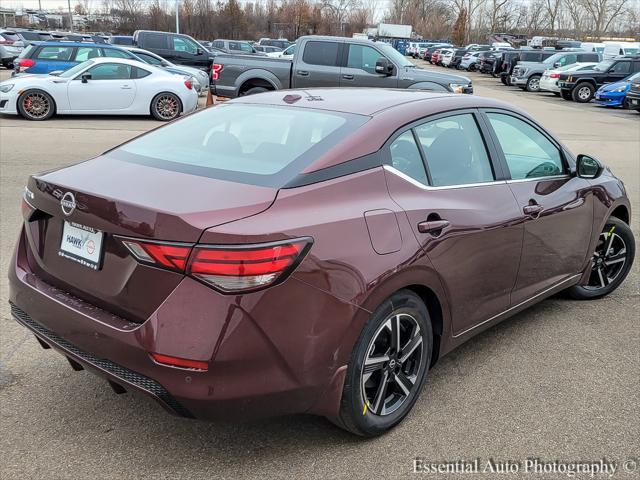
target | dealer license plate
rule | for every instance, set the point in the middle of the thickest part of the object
(81, 244)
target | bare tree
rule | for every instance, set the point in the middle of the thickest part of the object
(602, 13)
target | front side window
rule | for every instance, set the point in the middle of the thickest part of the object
(321, 53)
(87, 53)
(181, 44)
(455, 151)
(55, 53)
(406, 158)
(529, 154)
(110, 71)
(621, 67)
(363, 57)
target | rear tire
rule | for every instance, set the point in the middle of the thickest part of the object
(397, 366)
(166, 106)
(255, 90)
(583, 92)
(36, 105)
(611, 262)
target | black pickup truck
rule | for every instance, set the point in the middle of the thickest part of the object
(328, 62)
(581, 86)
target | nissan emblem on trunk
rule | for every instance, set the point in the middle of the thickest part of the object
(68, 203)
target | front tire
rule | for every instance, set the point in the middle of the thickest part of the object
(611, 262)
(533, 83)
(255, 90)
(166, 106)
(36, 105)
(583, 92)
(388, 366)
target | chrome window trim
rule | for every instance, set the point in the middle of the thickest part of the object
(406, 177)
(535, 179)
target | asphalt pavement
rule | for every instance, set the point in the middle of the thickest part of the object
(560, 381)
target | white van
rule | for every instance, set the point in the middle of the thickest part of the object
(613, 49)
(592, 47)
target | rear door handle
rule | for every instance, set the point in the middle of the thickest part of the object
(303, 73)
(532, 210)
(347, 77)
(434, 227)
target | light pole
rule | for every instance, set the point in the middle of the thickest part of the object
(70, 16)
(177, 16)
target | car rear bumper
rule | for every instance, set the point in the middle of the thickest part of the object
(549, 85)
(261, 361)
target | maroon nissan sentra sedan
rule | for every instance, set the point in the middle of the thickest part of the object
(310, 251)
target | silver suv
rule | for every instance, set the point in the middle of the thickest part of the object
(10, 47)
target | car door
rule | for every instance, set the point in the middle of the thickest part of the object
(360, 68)
(188, 52)
(109, 89)
(319, 65)
(555, 206)
(461, 210)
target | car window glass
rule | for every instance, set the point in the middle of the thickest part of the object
(321, 53)
(150, 59)
(110, 71)
(245, 47)
(405, 157)
(568, 59)
(55, 53)
(140, 72)
(621, 67)
(234, 46)
(181, 44)
(528, 152)
(154, 40)
(87, 53)
(114, 53)
(363, 57)
(454, 151)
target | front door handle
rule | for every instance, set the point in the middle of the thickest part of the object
(303, 73)
(532, 210)
(433, 227)
(125, 87)
(347, 77)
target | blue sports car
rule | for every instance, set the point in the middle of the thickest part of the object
(614, 94)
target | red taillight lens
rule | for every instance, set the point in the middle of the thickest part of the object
(164, 255)
(215, 71)
(554, 75)
(23, 63)
(180, 362)
(241, 268)
(188, 84)
(4, 41)
(233, 268)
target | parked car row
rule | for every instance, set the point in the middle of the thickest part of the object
(577, 74)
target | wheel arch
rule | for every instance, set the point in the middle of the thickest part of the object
(622, 212)
(30, 89)
(257, 78)
(162, 92)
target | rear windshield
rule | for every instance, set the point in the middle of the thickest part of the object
(255, 144)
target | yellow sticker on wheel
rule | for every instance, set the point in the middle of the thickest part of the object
(364, 410)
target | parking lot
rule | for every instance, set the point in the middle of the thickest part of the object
(556, 382)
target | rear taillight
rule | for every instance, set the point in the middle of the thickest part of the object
(554, 75)
(188, 84)
(23, 64)
(4, 41)
(240, 268)
(215, 71)
(229, 269)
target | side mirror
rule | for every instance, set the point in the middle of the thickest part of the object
(556, 65)
(199, 52)
(384, 67)
(85, 77)
(55, 73)
(588, 167)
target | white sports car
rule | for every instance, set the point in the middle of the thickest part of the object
(101, 86)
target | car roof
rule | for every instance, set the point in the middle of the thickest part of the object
(67, 43)
(389, 109)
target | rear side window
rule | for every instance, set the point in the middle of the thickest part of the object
(529, 154)
(55, 53)
(256, 144)
(321, 53)
(87, 53)
(455, 152)
(155, 40)
(138, 72)
(406, 157)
